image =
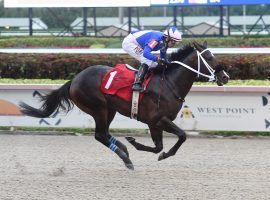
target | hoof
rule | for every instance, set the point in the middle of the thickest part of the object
(161, 156)
(130, 139)
(128, 163)
(130, 166)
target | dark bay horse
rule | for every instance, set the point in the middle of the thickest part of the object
(162, 101)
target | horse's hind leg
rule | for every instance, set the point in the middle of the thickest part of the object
(111, 114)
(156, 135)
(101, 136)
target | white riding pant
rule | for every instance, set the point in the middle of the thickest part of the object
(131, 46)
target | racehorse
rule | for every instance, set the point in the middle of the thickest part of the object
(160, 105)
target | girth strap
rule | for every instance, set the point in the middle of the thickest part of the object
(135, 104)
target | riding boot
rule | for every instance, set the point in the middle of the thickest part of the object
(139, 77)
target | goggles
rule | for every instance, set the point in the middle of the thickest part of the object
(173, 41)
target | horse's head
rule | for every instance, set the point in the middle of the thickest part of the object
(208, 63)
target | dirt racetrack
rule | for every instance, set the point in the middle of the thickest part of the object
(70, 167)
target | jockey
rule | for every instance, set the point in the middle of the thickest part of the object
(140, 44)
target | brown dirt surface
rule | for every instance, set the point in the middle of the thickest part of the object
(41, 167)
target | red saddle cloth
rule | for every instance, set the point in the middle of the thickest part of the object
(119, 80)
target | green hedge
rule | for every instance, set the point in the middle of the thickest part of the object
(245, 67)
(53, 66)
(65, 66)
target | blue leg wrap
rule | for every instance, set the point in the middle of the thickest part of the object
(113, 147)
(112, 140)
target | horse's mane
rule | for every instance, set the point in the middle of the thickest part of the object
(178, 55)
(182, 53)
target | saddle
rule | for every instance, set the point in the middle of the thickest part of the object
(119, 80)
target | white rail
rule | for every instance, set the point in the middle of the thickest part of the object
(195, 88)
(120, 51)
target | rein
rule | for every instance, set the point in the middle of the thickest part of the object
(168, 84)
(200, 57)
(174, 93)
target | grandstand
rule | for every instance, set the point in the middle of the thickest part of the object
(18, 26)
(238, 24)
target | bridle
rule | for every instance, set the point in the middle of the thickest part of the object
(212, 76)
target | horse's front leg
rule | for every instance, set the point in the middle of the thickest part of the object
(156, 135)
(167, 125)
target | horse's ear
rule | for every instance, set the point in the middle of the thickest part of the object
(205, 44)
(197, 46)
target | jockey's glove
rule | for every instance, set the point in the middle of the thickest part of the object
(163, 62)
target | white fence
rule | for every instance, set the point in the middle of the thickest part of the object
(206, 108)
(120, 51)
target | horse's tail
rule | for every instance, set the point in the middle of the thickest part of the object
(59, 98)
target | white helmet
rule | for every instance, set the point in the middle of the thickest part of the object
(173, 33)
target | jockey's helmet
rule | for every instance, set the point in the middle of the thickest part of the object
(173, 34)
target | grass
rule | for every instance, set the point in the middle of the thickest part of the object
(31, 81)
(71, 131)
(85, 42)
(234, 133)
(117, 132)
